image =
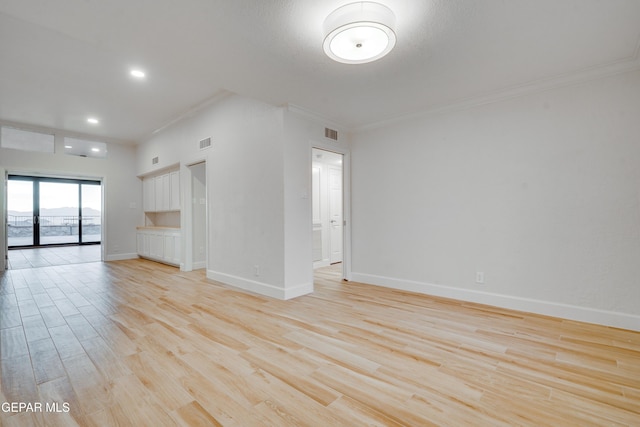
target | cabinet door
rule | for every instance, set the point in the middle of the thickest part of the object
(143, 243)
(177, 249)
(156, 245)
(166, 191)
(146, 250)
(159, 193)
(168, 248)
(139, 243)
(175, 191)
(149, 194)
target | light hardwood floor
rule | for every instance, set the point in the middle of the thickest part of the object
(140, 343)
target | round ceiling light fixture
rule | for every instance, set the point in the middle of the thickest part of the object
(359, 32)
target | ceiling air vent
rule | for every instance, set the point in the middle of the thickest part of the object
(154, 161)
(205, 143)
(331, 134)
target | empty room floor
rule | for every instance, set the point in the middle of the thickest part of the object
(52, 255)
(140, 343)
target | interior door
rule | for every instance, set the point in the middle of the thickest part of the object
(335, 214)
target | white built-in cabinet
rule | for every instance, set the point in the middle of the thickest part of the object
(161, 193)
(160, 237)
(160, 244)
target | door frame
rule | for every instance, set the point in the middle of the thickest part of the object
(4, 178)
(186, 217)
(346, 202)
(36, 180)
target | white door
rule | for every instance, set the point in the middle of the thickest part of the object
(335, 214)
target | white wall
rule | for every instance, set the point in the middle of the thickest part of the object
(246, 190)
(302, 132)
(258, 190)
(120, 186)
(540, 193)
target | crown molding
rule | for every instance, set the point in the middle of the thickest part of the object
(216, 97)
(626, 65)
(318, 118)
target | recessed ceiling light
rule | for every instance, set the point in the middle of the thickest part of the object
(359, 32)
(139, 74)
(93, 120)
(95, 150)
(68, 146)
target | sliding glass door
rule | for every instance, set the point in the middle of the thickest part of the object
(20, 213)
(52, 211)
(91, 202)
(59, 217)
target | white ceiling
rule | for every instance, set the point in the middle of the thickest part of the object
(61, 61)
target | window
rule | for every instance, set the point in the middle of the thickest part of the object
(19, 139)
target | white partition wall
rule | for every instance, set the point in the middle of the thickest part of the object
(540, 193)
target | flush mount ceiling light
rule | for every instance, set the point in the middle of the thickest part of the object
(360, 32)
(93, 120)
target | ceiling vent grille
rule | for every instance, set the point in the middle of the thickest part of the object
(205, 143)
(331, 134)
(154, 161)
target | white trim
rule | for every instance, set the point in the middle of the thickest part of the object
(321, 263)
(4, 244)
(298, 291)
(260, 287)
(318, 118)
(524, 89)
(346, 199)
(199, 265)
(121, 257)
(218, 96)
(186, 216)
(547, 308)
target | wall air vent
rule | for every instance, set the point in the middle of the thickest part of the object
(154, 161)
(205, 143)
(331, 134)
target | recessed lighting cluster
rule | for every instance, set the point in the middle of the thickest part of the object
(138, 74)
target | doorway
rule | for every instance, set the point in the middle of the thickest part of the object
(327, 207)
(198, 232)
(45, 211)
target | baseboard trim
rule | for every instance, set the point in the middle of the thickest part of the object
(199, 265)
(120, 257)
(547, 308)
(260, 287)
(298, 291)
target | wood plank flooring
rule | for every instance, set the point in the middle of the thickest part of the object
(140, 343)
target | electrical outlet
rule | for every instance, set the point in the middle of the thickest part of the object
(479, 277)
(256, 270)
